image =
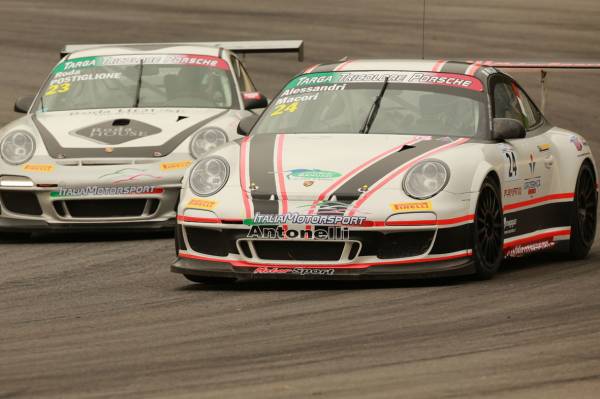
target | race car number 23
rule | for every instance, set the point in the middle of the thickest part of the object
(281, 108)
(57, 89)
(511, 164)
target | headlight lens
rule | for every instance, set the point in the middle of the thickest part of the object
(207, 139)
(17, 147)
(426, 179)
(209, 176)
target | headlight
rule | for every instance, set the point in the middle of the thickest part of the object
(206, 140)
(209, 176)
(426, 179)
(17, 147)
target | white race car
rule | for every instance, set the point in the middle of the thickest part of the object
(108, 137)
(381, 169)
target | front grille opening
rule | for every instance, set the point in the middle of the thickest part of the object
(59, 208)
(298, 250)
(212, 241)
(153, 205)
(106, 208)
(405, 244)
(21, 202)
(354, 251)
(245, 247)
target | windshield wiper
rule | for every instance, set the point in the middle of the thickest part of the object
(374, 108)
(139, 85)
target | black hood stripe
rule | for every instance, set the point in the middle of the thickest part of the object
(455, 67)
(349, 191)
(262, 174)
(55, 150)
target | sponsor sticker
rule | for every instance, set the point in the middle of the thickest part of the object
(104, 191)
(199, 203)
(335, 233)
(298, 218)
(411, 206)
(576, 142)
(302, 271)
(525, 249)
(175, 165)
(512, 192)
(510, 225)
(543, 147)
(311, 174)
(532, 185)
(342, 78)
(38, 168)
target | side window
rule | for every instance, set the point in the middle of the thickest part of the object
(242, 76)
(506, 104)
(531, 112)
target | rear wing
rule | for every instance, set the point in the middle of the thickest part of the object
(542, 66)
(241, 47)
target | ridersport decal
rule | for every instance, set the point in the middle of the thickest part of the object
(301, 271)
(340, 80)
(297, 218)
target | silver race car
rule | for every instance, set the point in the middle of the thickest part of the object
(106, 141)
(384, 169)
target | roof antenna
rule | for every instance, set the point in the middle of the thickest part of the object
(423, 31)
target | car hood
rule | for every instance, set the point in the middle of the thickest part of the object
(144, 127)
(338, 166)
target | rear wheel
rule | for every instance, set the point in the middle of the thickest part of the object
(583, 218)
(488, 230)
(209, 280)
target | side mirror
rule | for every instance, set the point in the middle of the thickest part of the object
(23, 104)
(246, 125)
(507, 128)
(254, 100)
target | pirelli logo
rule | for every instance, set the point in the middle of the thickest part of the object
(419, 206)
(175, 165)
(40, 168)
(197, 203)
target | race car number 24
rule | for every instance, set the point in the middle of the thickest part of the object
(512, 164)
(281, 108)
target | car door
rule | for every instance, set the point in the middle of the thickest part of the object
(527, 169)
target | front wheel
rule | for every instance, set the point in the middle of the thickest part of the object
(488, 230)
(583, 217)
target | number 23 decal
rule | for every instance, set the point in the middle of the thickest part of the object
(512, 164)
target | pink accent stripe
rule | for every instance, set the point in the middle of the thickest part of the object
(400, 170)
(534, 201)
(311, 68)
(325, 193)
(241, 263)
(342, 66)
(244, 146)
(473, 68)
(538, 237)
(438, 66)
(280, 177)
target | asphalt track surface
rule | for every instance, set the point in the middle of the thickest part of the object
(101, 316)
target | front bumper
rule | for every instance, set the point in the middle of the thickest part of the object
(35, 209)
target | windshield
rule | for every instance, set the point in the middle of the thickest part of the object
(416, 103)
(174, 80)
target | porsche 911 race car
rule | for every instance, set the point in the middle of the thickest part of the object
(108, 137)
(387, 169)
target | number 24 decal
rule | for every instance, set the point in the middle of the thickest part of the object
(281, 108)
(512, 164)
(54, 89)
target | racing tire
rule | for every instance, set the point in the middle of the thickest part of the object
(583, 216)
(209, 280)
(488, 231)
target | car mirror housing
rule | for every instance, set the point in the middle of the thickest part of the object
(507, 128)
(246, 125)
(254, 100)
(23, 104)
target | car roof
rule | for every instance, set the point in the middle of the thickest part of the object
(141, 49)
(417, 65)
